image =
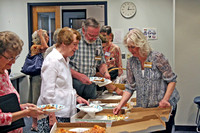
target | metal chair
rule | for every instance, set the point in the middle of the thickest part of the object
(197, 101)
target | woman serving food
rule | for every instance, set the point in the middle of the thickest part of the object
(150, 75)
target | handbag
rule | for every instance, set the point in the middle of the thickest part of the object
(9, 103)
(33, 64)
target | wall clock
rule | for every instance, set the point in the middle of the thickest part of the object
(128, 9)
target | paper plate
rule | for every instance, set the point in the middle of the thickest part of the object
(98, 79)
(57, 107)
(92, 108)
(79, 130)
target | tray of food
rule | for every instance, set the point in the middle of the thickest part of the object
(78, 128)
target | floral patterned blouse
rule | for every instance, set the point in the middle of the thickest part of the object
(151, 88)
(6, 87)
(113, 52)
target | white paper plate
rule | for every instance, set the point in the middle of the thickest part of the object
(98, 78)
(79, 130)
(92, 108)
(100, 83)
(57, 107)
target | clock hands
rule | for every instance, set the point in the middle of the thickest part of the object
(130, 8)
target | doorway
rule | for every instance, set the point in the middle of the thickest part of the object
(73, 18)
(49, 16)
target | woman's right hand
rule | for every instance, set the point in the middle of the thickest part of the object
(39, 32)
(116, 110)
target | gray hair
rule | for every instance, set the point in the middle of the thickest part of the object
(136, 38)
(90, 22)
(10, 42)
(36, 38)
(55, 35)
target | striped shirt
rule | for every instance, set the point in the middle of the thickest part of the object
(83, 60)
(151, 88)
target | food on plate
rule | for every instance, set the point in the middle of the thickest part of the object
(100, 80)
(96, 129)
(62, 130)
(49, 107)
(126, 105)
(115, 117)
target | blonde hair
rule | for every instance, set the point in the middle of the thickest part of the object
(65, 36)
(36, 37)
(10, 42)
(136, 38)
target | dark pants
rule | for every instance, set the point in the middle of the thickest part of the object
(170, 123)
(85, 91)
(43, 124)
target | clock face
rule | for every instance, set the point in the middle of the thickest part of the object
(128, 9)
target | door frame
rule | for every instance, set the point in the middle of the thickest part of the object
(31, 5)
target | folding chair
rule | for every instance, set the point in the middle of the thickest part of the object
(197, 101)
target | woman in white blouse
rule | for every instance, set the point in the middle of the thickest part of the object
(56, 87)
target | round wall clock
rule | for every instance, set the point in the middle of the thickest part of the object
(128, 9)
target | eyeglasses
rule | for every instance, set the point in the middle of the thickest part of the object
(11, 58)
(132, 47)
(92, 36)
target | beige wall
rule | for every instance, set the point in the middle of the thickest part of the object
(187, 58)
(150, 13)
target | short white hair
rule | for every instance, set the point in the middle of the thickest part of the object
(55, 35)
(36, 38)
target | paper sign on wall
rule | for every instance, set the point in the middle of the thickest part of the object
(118, 35)
(151, 33)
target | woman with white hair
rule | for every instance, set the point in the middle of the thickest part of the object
(40, 39)
(150, 75)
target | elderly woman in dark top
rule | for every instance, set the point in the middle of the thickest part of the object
(150, 75)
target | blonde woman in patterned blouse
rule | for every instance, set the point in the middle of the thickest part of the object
(150, 75)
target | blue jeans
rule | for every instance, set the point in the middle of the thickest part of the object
(85, 91)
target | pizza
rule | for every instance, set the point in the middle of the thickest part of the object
(100, 80)
(49, 107)
(62, 130)
(96, 129)
(115, 117)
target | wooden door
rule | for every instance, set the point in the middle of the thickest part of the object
(48, 18)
